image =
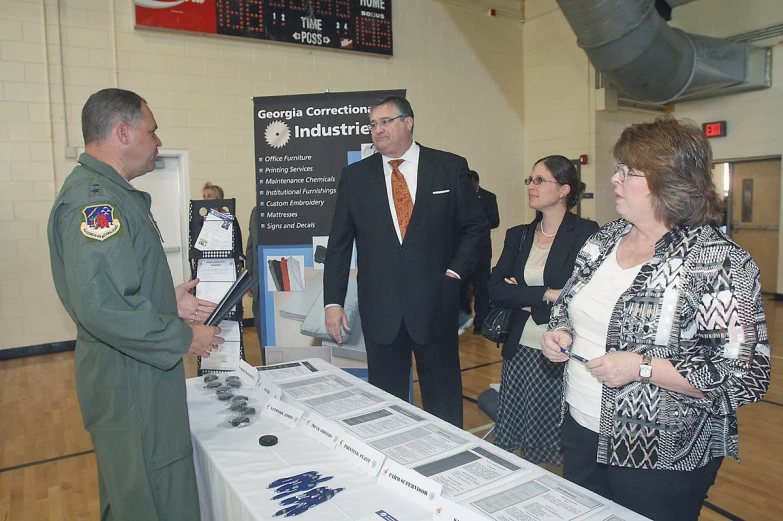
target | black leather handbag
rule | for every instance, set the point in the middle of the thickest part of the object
(497, 324)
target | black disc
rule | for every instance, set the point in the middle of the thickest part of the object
(267, 440)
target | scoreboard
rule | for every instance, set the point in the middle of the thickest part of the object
(353, 25)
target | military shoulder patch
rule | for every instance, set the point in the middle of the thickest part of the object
(101, 221)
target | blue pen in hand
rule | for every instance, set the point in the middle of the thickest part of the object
(575, 357)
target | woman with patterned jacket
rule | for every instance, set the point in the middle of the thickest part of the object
(663, 330)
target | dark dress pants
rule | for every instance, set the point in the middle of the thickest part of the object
(479, 281)
(661, 495)
(437, 364)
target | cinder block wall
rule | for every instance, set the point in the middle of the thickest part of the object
(462, 70)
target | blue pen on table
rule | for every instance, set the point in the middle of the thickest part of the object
(575, 357)
(301, 497)
(297, 502)
(299, 477)
(308, 504)
(287, 490)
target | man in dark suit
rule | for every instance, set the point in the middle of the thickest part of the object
(480, 276)
(419, 228)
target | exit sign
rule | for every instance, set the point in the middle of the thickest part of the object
(714, 129)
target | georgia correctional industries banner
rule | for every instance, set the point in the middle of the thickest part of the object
(302, 144)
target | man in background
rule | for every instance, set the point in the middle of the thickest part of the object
(478, 281)
(111, 275)
(419, 227)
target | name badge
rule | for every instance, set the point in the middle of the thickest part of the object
(282, 413)
(247, 373)
(323, 431)
(410, 484)
(361, 455)
(446, 510)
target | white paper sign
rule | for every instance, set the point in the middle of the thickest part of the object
(323, 431)
(269, 388)
(410, 484)
(282, 413)
(247, 373)
(361, 455)
(447, 510)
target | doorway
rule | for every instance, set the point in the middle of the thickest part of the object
(753, 212)
(168, 185)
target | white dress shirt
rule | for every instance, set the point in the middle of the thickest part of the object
(410, 171)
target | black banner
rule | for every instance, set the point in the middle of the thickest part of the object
(302, 144)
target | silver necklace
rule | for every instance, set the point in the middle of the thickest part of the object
(541, 226)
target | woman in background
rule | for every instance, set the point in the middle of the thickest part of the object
(663, 329)
(536, 262)
(211, 191)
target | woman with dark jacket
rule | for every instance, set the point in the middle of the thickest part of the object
(536, 262)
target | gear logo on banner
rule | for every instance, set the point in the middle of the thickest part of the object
(277, 134)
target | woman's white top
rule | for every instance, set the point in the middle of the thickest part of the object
(534, 276)
(590, 311)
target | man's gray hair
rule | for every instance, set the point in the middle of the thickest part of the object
(106, 108)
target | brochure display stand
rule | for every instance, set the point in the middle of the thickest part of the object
(215, 255)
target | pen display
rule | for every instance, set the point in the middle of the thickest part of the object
(309, 496)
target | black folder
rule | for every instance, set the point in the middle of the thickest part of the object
(234, 295)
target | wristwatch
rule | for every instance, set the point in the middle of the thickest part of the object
(645, 370)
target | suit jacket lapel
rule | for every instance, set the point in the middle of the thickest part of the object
(561, 246)
(376, 192)
(424, 180)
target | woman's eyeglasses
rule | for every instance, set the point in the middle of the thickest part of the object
(620, 169)
(537, 180)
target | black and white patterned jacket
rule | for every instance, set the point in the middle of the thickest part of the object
(697, 303)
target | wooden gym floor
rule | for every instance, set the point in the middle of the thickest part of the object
(47, 467)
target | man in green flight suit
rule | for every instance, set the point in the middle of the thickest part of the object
(111, 275)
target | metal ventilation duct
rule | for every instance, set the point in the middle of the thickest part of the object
(632, 45)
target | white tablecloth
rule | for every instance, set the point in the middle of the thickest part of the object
(233, 470)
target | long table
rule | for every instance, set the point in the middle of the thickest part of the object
(233, 469)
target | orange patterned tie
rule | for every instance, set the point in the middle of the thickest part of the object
(403, 203)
